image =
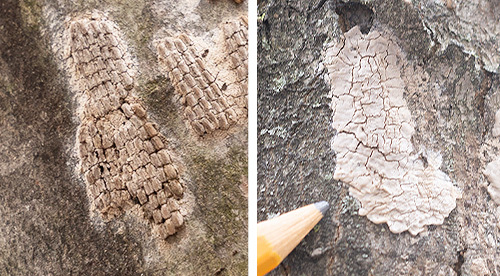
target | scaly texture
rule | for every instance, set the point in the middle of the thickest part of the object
(374, 152)
(208, 104)
(123, 156)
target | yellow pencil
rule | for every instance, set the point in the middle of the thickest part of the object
(277, 237)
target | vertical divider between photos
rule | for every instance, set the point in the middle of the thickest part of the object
(252, 137)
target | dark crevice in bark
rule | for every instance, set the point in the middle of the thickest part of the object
(480, 95)
(460, 261)
(352, 14)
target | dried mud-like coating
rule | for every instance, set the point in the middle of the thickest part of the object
(496, 127)
(123, 156)
(208, 104)
(375, 155)
(492, 170)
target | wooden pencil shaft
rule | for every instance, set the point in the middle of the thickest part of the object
(285, 232)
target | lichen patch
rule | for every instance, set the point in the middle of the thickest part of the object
(124, 158)
(375, 155)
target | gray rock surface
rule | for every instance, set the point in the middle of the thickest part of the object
(47, 225)
(452, 96)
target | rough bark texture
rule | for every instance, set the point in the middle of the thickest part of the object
(452, 96)
(47, 225)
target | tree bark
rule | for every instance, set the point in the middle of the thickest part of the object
(451, 87)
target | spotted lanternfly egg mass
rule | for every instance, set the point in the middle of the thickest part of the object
(123, 157)
(208, 105)
(375, 154)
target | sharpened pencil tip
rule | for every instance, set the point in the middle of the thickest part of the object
(322, 206)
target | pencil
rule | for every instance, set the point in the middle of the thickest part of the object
(277, 237)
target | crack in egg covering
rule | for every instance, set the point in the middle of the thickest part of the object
(236, 41)
(209, 104)
(123, 157)
(375, 155)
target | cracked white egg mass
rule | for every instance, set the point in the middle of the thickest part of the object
(492, 171)
(375, 155)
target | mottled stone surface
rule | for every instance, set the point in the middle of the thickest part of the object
(452, 102)
(48, 225)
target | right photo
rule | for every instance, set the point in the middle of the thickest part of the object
(378, 137)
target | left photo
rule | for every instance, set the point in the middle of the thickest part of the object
(123, 137)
